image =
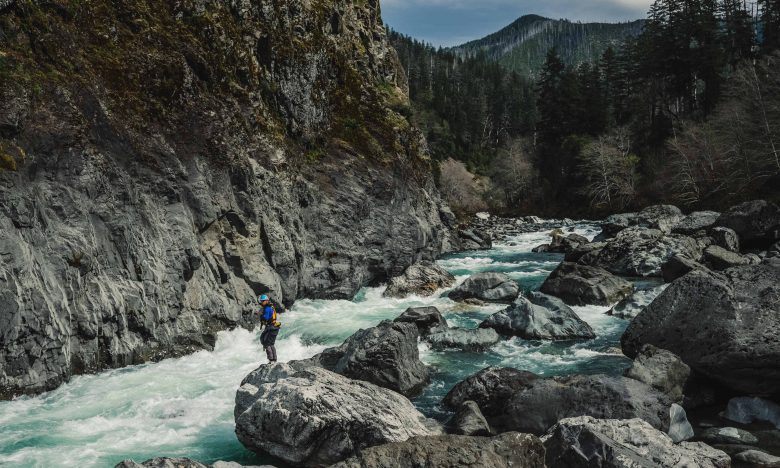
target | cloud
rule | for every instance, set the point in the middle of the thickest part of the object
(451, 22)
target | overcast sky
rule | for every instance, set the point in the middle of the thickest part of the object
(452, 22)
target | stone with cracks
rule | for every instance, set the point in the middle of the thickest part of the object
(488, 287)
(581, 284)
(660, 369)
(426, 318)
(421, 279)
(309, 416)
(468, 420)
(539, 317)
(756, 222)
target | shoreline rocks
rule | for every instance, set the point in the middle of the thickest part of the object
(588, 441)
(757, 223)
(509, 450)
(309, 416)
(661, 370)
(723, 325)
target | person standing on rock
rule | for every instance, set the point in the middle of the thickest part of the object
(270, 326)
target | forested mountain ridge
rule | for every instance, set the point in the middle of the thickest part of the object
(523, 45)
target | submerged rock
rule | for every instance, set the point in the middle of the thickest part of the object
(468, 420)
(581, 284)
(463, 339)
(756, 222)
(627, 443)
(421, 279)
(631, 306)
(510, 450)
(385, 355)
(426, 318)
(547, 401)
(723, 326)
(746, 410)
(309, 416)
(539, 317)
(660, 369)
(490, 389)
(489, 287)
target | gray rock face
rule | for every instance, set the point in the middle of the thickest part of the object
(581, 284)
(721, 259)
(695, 222)
(421, 279)
(489, 388)
(126, 241)
(488, 287)
(631, 306)
(661, 217)
(757, 459)
(726, 238)
(728, 435)
(308, 416)
(641, 252)
(385, 355)
(472, 239)
(661, 370)
(756, 222)
(547, 401)
(721, 325)
(565, 244)
(426, 318)
(463, 339)
(678, 266)
(539, 317)
(583, 249)
(631, 443)
(747, 410)
(679, 427)
(468, 420)
(510, 450)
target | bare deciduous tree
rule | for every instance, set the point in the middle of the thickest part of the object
(609, 169)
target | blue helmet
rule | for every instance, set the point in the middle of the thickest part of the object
(262, 298)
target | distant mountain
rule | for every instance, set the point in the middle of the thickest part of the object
(522, 45)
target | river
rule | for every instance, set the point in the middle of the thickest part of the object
(184, 406)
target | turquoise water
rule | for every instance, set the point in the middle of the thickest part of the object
(184, 406)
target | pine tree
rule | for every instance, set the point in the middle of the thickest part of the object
(770, 24)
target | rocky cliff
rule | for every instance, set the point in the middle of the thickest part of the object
(162, 163)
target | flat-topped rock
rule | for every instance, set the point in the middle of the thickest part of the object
(539, 317)
(581, 284)
(488, 287)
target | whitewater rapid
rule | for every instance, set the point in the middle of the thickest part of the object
(184, 406)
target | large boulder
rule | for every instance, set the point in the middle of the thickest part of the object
(488, 287)
(641, 252)
(727, 435)
(547, 401)
(756, 222)
(721, 259)
(747, 410)
(539, 317)
(726, 238)
(309, 416)
(510, 450)
(565, 244)
(463, 339)
(630, 443)
(723, 325)
(489, 388)
(426, 318)
(583, 249)
(616, 223)
(696, 222)
(581, 284)
(661, 370)
(468, 420)
(661, 217)
(474, 239)
(678, 266)
(421, 279)
(385, 355)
